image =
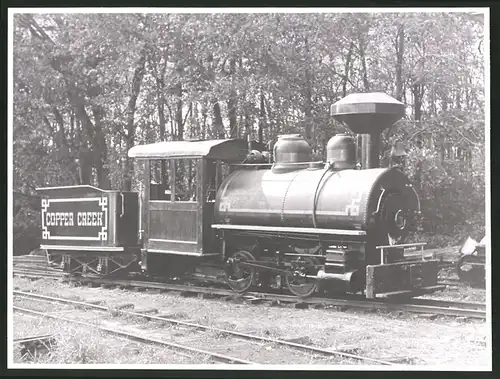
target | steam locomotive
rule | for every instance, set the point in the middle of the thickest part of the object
(222, 209)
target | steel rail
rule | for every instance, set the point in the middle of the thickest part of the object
(447, 303)
(455, 282)
(36, 263)
(33, 265)
(38, 274)
(440, 307)
(356, 298)
(33, 339)
(37, 269)
(316, 350)
(137, 338)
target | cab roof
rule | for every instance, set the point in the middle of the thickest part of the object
(226, 149)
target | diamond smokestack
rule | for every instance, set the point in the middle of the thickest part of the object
(368, 114)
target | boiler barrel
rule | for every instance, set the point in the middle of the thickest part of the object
(345, 199)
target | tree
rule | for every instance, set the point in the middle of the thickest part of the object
(87, 87)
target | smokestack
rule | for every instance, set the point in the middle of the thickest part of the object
(368, 114)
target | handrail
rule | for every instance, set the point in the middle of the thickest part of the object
(402, 245)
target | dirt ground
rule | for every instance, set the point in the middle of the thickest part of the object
(446, 342)
(460, 293)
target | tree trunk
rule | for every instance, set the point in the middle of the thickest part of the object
(233, 119)
(400, 43)
(308, 93)
(161, 108)
(468, 102)
(366, 84)
(95, 138)
(60, 130)
(444, 102)
(433, 100)
(308, 111)
(131, 108)
(262, 116)
(204, 117)
(194, 127)
(101, 151)
(347, 66)
(85, 166)
(418, 94)
(458, 100)
(232, 103)
(248, 127)
(218, 124)
(178, 114)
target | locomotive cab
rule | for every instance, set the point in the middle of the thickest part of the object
(181, 181)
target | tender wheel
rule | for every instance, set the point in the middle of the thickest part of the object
(239, 277)
(297, 282)
(53, 261)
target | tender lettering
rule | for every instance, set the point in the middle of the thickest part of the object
(59, 219)
(89, 219)
(67, 219)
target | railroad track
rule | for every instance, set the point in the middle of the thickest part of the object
(455, 282)
(415, 305)
(37, 273)
(243, 339)
(134, 337)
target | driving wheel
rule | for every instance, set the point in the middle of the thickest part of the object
(238, 276)
(296, 280)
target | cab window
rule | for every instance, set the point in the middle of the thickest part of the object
(160, 186)
(216, 171)
(186, 179)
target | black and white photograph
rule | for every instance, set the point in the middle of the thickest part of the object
(249, 189)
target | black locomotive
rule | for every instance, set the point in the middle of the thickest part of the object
(222, 208)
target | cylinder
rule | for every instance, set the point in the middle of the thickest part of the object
(349, 281)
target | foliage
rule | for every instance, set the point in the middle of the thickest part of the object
(87, 87)
(26, 226)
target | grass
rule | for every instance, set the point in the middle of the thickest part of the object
(421, 341)
(77, 345)
(177, 315)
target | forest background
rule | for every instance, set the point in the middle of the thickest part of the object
(88, 87)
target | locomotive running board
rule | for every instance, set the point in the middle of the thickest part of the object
(285, 229)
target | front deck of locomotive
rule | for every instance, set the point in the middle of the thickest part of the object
(393, 206)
